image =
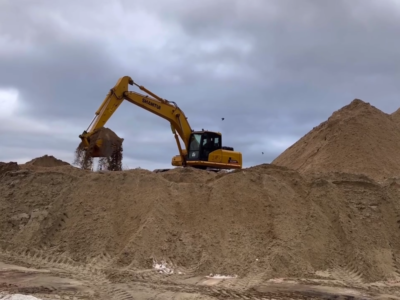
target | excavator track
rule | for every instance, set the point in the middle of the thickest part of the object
(161, 170)
(208, 169)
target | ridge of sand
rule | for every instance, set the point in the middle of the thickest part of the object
(396, 116)
(266, 219)
(358, 138)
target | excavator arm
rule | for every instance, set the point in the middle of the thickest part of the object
(163, 108)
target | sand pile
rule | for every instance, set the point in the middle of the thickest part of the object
(358, 138)
(396, 116)
(266, 220)
(110, 152)
(47, 161)
(7, 167)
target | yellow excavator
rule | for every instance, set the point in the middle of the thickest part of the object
(202, 149)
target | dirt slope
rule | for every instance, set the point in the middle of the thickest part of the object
(358, 138)
(266, 220)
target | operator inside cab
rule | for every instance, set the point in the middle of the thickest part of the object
(202, 144)
(208, 146)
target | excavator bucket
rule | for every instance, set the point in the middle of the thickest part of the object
(101, 143)
(99, 149)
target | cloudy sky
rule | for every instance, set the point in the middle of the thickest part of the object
(273, 69)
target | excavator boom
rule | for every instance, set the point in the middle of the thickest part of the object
(109, 105)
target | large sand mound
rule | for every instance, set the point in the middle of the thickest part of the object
(265, 220)
(358, 138)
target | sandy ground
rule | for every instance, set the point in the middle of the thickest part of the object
(60, 280)
(320, 222)
(104, 235)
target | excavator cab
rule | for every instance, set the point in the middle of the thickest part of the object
(201, 144)
(206, 151)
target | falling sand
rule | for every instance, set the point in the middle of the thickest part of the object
(111, 151)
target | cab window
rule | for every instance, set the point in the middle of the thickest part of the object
(216, 143)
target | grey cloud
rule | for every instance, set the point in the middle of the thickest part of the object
(59, 85)
(319, 41)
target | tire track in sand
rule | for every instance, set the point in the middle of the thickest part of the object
(95, 277)
(89, 274)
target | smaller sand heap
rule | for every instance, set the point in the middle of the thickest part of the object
(47, 161)
(110, 153)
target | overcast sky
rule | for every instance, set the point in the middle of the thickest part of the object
(273, 69)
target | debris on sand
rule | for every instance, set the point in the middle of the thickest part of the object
(111, 151)
(358, 139)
